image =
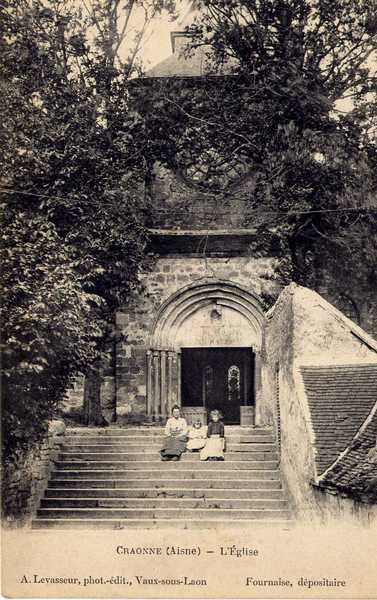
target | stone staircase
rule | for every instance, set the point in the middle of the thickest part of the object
(113, 479)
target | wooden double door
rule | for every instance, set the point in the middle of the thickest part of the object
(221, 378)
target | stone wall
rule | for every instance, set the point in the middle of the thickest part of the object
(169, 276)
(302, 328)
(26, 481)
(73, 402)
(71, 408)
(181, 205)
(282, 402)
(331, 506)
(356, 298)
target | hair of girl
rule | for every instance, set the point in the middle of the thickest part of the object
(215, 412)
(174, 407)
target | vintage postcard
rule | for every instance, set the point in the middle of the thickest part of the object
(189, 304)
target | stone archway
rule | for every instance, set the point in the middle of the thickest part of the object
(216, 314)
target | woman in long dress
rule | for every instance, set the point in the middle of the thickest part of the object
(175, 436)
(215, 444)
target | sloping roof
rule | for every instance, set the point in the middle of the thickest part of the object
(340, 399)
(181, 64)
(355, 472)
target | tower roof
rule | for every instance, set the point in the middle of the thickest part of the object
(183, 62)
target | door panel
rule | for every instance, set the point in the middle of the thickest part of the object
(219, 378)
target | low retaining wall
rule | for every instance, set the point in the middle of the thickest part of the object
(24, 482)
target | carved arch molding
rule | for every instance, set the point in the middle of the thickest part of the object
(209, 314)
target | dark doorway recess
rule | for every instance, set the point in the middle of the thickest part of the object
(221, 378)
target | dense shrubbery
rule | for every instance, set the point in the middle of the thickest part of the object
(49, 327)
(72, 177)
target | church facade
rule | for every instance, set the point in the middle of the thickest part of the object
(193, 334)
(194, 337)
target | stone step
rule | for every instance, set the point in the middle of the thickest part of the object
(184, 524)
(147, 455)
(183, 465)
(135, 440)
(160, 513)
(155, 457)
(113, 478)
(173, 493)
(235, 484)
(166, 473)
(154, 446)
(159, 431)
(182, 503)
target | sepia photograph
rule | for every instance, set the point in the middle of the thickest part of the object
(188, 195)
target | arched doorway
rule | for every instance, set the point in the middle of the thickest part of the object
(218, 377)
(205, 352)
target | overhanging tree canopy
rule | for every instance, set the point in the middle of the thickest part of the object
(72, 186)
(296, 104)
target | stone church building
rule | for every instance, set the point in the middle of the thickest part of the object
(194, 334)
(296, 383)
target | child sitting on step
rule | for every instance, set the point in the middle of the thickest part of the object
(197, 436)
(215, 444)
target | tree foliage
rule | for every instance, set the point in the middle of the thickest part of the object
(290, 94)
(48, 325)
(72, 184)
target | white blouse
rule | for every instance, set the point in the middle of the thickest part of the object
(197, 432)
(176, 426)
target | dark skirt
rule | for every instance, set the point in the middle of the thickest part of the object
(173, 446)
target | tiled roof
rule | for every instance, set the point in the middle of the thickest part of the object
(355, 473)
(340, 399)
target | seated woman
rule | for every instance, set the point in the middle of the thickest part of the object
(215, 444)
(197, 436)
(175, 436)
